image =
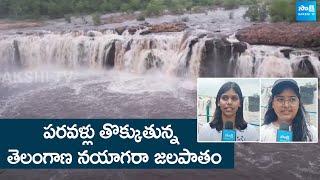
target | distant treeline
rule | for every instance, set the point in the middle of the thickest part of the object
(259, 10)
(277, 10)
(60, 8)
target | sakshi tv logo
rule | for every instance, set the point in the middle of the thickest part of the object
(306, 11)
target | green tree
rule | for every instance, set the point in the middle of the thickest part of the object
(203, 2)
(257, 12)
(155, 7)
(4, 7)
(110, 5)
(230, 4)
(56, 8)
(81, 6)
(25, 8)
(178, 6)
(125, 7)
(282, 10)
(135, 4)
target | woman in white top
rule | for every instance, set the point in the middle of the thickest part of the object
(229, 107)
(285, 106)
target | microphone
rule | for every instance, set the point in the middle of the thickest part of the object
(283, 133)
(228, 134)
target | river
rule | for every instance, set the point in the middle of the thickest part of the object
(62, 71)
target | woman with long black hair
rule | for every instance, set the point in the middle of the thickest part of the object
(229, 108)
(285, 107)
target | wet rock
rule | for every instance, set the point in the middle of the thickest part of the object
(286, 52)
(17, 59)
(156, 28)
(217, 57)
(190, 45)
(41, 34)
(302, 35)
(132, 30)
(202, 35)
(120, 30)
(145, 24)
(108, 59)
(316, 49)
(238, 47)
(128, 46)
(91, 34)
(304, 68)
(153, 61)
(145, 32)
(193, 41)
(165, 27)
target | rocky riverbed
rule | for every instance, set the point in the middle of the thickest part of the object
(300, 35)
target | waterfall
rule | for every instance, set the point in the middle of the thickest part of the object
(168, 53)
(191, 54)
(273, 61)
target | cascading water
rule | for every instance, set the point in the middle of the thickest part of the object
(174, 58)
(271, 61)
(126, 70)
(186, 54)
(95, 50)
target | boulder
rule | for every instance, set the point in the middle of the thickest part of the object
(286, 52)
(120, 30)
(301, 35)
(165, 27)
(155, 28)
(217, 55)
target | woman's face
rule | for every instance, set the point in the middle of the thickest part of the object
(229, 103)
(286, 105)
